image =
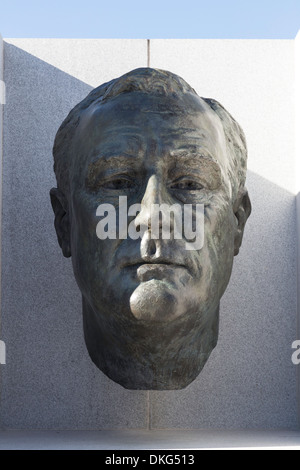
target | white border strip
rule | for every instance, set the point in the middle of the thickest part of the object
(2, 102)
(297, 187)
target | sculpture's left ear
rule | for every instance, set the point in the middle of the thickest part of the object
(242, 210)
(62, 220)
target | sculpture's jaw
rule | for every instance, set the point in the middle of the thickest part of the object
(149, 356)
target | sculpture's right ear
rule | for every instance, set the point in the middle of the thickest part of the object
(62, 220)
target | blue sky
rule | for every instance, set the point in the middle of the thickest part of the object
(271, 19)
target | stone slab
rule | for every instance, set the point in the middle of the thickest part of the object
(49, 380)
(249, 381)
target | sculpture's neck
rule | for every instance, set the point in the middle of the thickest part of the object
(142, 356)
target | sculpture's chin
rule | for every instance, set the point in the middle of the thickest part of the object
(166, 378)
(155, 354)
(155, 301)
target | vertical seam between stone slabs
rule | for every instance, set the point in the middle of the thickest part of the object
(148, 52)
(148, 424)
(148, 393)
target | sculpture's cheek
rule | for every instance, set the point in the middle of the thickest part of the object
(218, 250)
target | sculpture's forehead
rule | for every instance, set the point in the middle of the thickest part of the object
(137, 124)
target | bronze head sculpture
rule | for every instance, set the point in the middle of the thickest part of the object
(150, 305)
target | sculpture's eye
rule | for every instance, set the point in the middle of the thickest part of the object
(186, 184)
(118, 183)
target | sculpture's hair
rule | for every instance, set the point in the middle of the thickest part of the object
(157, 82)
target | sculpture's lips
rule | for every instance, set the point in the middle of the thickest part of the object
(133, 263)
(146, 271)
(158, 271)
(158, 262)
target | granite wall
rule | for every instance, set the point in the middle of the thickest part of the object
(49, 381)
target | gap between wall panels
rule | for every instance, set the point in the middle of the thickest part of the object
(148, 423)
(148, 52)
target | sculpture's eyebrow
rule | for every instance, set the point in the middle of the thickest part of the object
(186, 157)
(109, 164)
(110, 160)
(201, 165)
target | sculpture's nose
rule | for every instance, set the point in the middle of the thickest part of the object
(150, 247)
(152, 195)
